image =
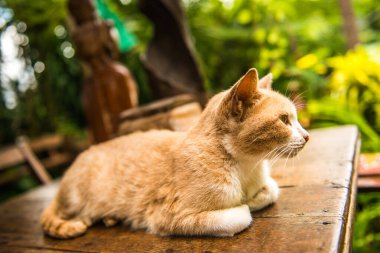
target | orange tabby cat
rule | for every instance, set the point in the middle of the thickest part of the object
(202, 182)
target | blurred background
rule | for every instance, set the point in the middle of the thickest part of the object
(316, 50)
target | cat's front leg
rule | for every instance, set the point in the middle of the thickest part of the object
(266, 195)
(220, 223)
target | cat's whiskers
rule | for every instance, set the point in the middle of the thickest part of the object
(277, 152)
(284, 166)
(274, 151)
(287, 158)
(286, 90)
(264, 158)
(290, 150)
(298, 100)
(299, 96)
(268, 155)
(279, 155)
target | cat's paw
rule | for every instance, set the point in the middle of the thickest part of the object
(65, 229)
(233, 221)
(109, 222)
(267, 195)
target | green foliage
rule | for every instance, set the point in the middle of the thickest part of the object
(270, 35)
(56, 98)
(366, 232)
(352, 93)
(327, 112)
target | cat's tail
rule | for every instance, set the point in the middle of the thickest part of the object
(55, 226)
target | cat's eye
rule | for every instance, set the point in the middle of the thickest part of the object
(285, 118)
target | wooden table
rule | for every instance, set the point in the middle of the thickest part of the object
(314, 213)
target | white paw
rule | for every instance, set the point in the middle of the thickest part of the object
(265, 196)
(233, 220)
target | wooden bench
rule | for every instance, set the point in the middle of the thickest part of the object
(176, 113)
(369, 173)
(34, 157)
(313, 214)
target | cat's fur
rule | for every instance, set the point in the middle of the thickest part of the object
(202, 182)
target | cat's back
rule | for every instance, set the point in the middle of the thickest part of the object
(125, 157)
(143, 142)
(137, 146)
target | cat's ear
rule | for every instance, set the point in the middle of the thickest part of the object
(266, 82)
(243, 93)
(247, 87)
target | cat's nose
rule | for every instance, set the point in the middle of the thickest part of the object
(306, 137)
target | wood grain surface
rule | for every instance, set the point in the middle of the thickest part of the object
(313, 214)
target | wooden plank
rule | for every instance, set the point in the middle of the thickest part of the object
(327, 159)
(369, 172)
(314, 212)
(157, 121)
(10, 156)
(180, 118)
(257, 238)
(47, 142)
(369, 184)
(160, 106)
(21, 158)
(16, 249)
(349, 212)
(56, 160)
(35, 166)
(300, 219)
(50, 163)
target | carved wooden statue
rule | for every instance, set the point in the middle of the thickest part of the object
(108, 87)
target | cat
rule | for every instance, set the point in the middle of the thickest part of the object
(205, 181)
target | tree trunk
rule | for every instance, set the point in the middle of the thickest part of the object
(349, 24)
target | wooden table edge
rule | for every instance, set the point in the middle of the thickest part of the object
(345, 241)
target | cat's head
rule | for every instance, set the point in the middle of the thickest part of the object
(254, 119)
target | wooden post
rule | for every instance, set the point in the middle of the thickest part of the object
(34, 165)
(108, 87)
